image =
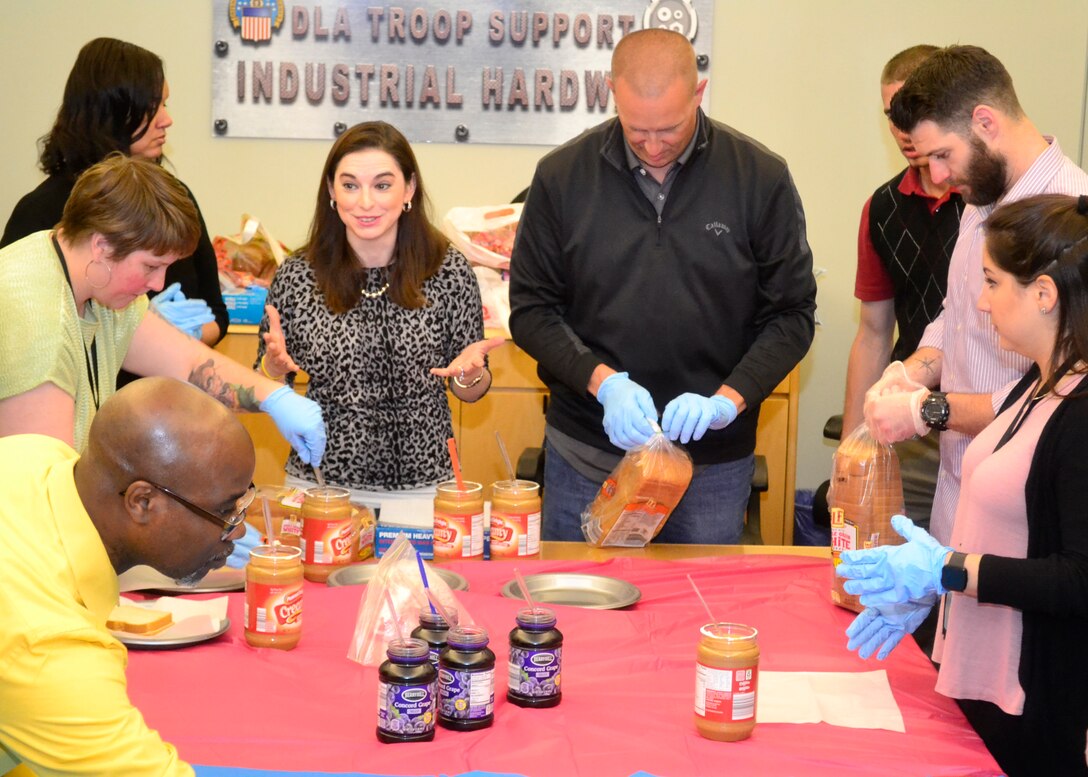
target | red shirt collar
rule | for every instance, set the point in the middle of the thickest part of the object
(911, 185)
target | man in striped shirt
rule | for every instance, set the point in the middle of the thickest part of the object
(961, 111)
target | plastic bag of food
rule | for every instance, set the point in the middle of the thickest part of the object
(485, 235)
(637, 498)
(495, 296)
(250, 257)
(866, 491)
(400, 573)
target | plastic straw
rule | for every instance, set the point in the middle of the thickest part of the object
(452, 445)
(393, 612)
(524, 589)
(318, 476)
(423, 575)
(268, 522)
(432, 597)
(506, 459)
(701, 599)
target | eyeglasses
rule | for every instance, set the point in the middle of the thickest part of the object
(228, 524)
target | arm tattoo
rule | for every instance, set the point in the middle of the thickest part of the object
(929, 365)
(233, 395)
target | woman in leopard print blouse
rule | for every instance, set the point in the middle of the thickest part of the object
(380, 311)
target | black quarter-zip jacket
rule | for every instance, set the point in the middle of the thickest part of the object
(719, 289)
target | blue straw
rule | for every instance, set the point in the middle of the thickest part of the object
(423, 574)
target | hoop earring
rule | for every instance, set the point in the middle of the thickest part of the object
(332, 203)
(408, 206)
(87, 274)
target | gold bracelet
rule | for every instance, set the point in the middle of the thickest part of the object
(474, 381)
(266, 373)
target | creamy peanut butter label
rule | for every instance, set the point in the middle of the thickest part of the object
(327, 542)
(274, 609)
(514, 534)
(458, 536)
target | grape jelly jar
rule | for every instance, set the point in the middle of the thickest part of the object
(466, 680)
(407, 693)
(432, 629)
(536, 658)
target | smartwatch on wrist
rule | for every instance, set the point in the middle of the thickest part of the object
(954, 573)
(935, 411)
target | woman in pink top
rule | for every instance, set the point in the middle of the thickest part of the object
(1015, 579)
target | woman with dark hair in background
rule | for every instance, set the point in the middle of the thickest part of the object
(115, 100)
(1015, 618)
(370, 308)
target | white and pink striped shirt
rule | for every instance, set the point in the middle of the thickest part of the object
(973, 363)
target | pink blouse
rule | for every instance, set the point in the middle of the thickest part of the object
(979, 652)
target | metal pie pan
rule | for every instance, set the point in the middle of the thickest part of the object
(577, 590)
(150, 642)
(360, 574)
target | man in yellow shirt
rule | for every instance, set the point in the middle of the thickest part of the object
(165, 481)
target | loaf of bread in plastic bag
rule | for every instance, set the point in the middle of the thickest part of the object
(637, 498)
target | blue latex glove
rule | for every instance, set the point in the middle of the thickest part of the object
(893, 574)
(299, 420)
(188, 315)
(885, 626)
(629, 412)
(242, 546)
(688, 416)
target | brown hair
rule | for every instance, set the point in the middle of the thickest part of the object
(899, 67)
(135, 205)
(420, 247)
(1048, 235)
(112, 93)
(948, 86)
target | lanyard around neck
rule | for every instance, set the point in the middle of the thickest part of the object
(90, 361)
(1033, 398)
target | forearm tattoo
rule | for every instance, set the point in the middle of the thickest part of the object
(929, 364)
(234, 395)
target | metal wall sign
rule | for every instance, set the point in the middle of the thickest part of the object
(505, 71)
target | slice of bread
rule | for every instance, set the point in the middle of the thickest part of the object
(138, 620)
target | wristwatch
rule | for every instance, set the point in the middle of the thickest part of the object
(954, 573)
(935, 411)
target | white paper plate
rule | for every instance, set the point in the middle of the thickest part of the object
(151, 642)
(144, 578)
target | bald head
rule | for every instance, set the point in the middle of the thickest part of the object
(649, 61)
(164, 430)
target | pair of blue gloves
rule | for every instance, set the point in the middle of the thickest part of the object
(188, 315)
(898, 584)
(630, 414)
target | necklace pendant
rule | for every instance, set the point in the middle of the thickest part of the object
(374, 294)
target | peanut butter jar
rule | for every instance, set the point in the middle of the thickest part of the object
(726, 679)
(273, 610)
(458, 521)
(515, 519)
(329, 533)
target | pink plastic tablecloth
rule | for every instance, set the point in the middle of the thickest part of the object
(628, 687)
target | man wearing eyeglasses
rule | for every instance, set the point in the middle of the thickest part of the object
(165, 481)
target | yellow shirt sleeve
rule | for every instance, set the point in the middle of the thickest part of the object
(66, 711)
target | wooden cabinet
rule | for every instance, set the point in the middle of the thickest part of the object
(515, 408)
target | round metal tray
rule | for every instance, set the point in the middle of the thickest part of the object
(594, 591)
(360, 574)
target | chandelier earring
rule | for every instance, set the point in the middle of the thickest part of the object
(87, 274)
(408, 206)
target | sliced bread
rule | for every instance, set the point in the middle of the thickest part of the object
(138, 620)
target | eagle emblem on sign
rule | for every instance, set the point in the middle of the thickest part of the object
(255, 19)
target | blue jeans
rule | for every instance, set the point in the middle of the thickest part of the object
(711, 512)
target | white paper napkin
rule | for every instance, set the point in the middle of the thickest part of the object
(850, 699)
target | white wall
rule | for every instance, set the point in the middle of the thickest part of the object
(799, 75)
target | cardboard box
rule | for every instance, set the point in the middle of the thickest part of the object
(246, 306)
(422, 539)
